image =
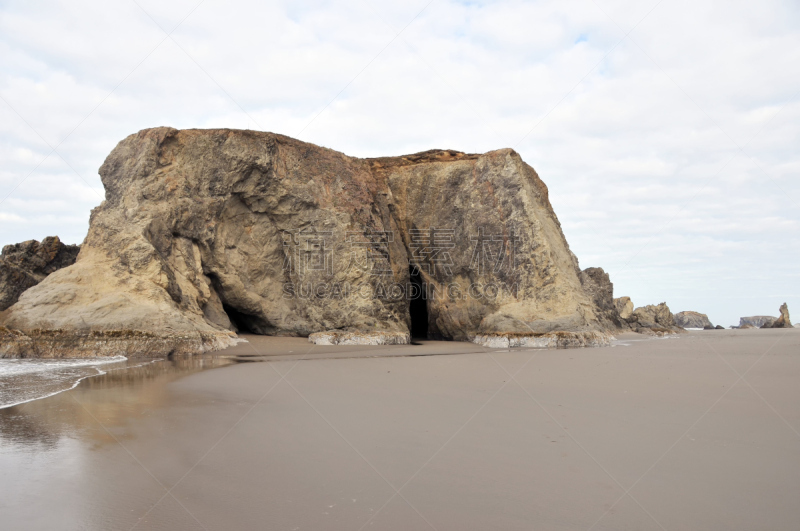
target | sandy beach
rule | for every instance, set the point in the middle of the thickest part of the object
(694, 432)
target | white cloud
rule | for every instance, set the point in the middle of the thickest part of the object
(10, 218)
(670, 155)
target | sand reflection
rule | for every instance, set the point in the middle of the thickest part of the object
(99, 405)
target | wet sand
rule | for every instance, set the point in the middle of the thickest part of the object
(279, 434)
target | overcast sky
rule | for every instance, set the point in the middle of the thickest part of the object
(667, 131)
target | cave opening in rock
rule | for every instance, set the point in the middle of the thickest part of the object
(417, 304)
(243, 322)
(240, 321)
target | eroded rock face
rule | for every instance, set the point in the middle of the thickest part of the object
(692, 320)
(783, 321)
(204, 232)
(23, 265)
(597, 284)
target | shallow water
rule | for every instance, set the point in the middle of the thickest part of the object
(23, 380)
(46, 445)
(118, 388)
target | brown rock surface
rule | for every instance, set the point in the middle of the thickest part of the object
(653, 318)
(624, 307)
(207, 231)
(23, 265)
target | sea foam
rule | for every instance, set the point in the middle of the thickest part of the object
(23, 380)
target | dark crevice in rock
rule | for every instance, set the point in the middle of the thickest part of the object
(418, 305)
(242, 318)
(244, 322)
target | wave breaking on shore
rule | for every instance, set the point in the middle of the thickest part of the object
(24, 380)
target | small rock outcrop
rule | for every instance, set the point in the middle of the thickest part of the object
(653, 319)
(548, 340)
(624, 306)
(781, 322)
(690, 319)
(24, 265)
(336, 337)
(650, 319)
(206, 232)
(756, 321)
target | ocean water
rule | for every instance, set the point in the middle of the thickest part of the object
(23, 380)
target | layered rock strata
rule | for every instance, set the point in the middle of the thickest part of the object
(206, 232)
(55, 344)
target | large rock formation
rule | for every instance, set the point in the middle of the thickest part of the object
(756, 321)
(690, 319)
(23, 265)
(781, 322)
(204, 232)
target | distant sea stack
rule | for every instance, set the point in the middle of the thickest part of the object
(783, 321)
(690, 319)
(204, 233)
(756, 321)
(767, 321)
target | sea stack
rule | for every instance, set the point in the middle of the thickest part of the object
(783, 321)
(756, 321)
(206, 232)
(690, 319)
